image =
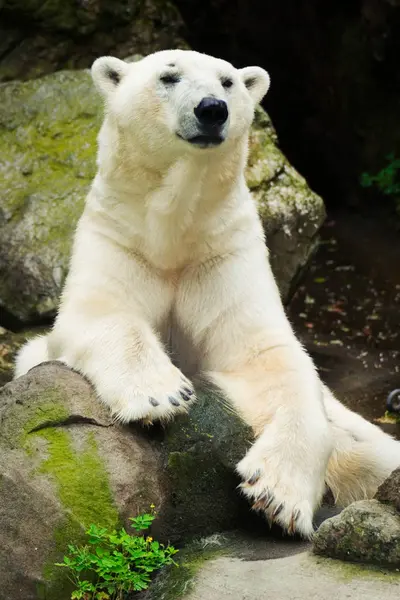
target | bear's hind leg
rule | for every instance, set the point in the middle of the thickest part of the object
(363, 455)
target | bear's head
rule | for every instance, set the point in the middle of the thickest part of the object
(178, 101)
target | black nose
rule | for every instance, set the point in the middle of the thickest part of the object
(211, 112)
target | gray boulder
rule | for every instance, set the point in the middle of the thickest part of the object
(366, 531)
(64, 464)
(47, 162)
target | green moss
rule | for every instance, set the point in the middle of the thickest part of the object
(82, 487)
(81, 478)
(47, 164)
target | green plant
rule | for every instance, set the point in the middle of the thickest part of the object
(388, 178)
(114, 563)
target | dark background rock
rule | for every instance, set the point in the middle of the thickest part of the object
(37, 38)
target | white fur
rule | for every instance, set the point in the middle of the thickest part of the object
(170, 254)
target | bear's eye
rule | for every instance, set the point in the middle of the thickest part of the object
(170, 78)
(227, 83)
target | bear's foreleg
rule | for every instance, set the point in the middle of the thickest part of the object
(113, 305)
(235, 316)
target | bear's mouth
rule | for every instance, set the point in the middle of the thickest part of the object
(204, 140)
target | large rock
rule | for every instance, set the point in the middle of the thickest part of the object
(64, 464)
(366, 531)
(47, 161)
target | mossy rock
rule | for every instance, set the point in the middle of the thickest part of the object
(201, 452)
(47, 161)
(366, 531)
(65, 464)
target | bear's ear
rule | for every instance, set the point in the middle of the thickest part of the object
(256, 81)
(107, 73)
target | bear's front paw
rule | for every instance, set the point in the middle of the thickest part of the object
(284, 487)
(155, 394)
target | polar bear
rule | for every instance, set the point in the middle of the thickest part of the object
(169, 259)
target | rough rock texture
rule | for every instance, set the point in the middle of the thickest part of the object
(69, 34)
(47, 161)
(389, 491)
(291, 213)
(230, 567)
(366, 531)
(65, 465)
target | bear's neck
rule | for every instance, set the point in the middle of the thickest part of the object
(163, 181)
(165, 212)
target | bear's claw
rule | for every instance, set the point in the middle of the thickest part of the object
(280, 504)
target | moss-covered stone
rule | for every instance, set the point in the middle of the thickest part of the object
(67, 15)
(389, 491)
(47, 161)
(63, 466)
(366, 531)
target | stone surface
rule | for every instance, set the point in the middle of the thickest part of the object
(218, 569)
(366, 531)
(47, 161)
(64, 465)
(389, 491)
